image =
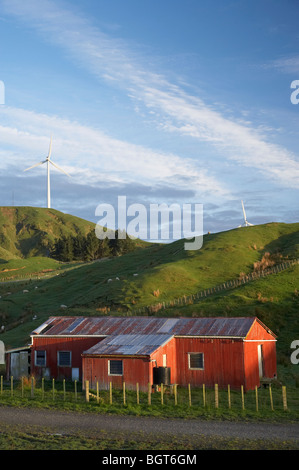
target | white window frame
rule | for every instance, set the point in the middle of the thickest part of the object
(122, 367)
(35, 357)
(189, 361)
(58, 357)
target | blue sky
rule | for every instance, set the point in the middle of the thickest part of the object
(161, 101)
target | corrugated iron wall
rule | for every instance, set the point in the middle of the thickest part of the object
(223, 362)
(134, 370)
(52, 345)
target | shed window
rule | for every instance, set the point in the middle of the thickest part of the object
(64, 358)
(115, 367)
(195, 360)
(40, 358)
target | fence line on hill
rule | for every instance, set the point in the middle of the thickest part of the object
(227, 285)
(200, 295)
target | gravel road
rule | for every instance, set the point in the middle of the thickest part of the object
(70, 422)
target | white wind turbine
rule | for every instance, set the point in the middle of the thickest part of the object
(246, 223)
(48, 161)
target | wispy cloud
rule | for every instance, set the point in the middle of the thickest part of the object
(177, 111)
(285, 64)
(26, 136)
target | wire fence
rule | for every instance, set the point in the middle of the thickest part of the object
(224, 286)
(262, 400)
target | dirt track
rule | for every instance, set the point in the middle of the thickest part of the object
(71, 422)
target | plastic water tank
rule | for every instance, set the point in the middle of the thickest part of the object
(161, 375)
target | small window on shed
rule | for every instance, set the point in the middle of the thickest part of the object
(115, 367)
(195, 360)
(40, 358)
(64, 358)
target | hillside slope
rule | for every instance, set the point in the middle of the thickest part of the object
(152, 275)
(159, 273)
(28, 231)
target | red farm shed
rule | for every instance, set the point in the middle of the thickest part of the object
(236, 351)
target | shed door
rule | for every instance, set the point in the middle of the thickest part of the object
(19, 364)
(260, 360)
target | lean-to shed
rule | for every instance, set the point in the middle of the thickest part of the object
(236, 351)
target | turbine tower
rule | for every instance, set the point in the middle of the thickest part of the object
(48, 161)
(246, 223)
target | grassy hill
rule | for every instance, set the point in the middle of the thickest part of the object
(159, 273)
(27, 235)
(28, 231)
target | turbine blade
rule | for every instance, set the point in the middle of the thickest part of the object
(37, 164)
(243, 211)
(50, 148)
(58, 168)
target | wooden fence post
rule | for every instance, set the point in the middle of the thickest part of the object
(284, 397)
(124, 392)
(75, 390)
(162, 394)
(242, 395)
(228, 396)
(175, 394)
(53, 389)
(32, 387)
(64, 389)
(87, 390)
(271, 398)
(98, 393)
(256, 399)
(11, 385)
(189, 393)
(137, 393)
(149, 394)
(22, 386)
(216, 396)
(110, 392)
(204, 394)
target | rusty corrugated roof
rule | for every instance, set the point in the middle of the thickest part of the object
(139, 344)
(107, 326)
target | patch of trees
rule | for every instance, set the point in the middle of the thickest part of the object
(89, 247)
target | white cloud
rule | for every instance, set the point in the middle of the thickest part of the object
(111, 59)
(285, 64)
(238, 142)
(89, 154)
(177, 112)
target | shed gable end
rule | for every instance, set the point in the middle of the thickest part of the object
(260, 332)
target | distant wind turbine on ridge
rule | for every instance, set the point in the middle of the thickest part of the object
(246, 223)
(48, 161)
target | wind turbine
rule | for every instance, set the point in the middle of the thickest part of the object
(246, 223)
(48, 161)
